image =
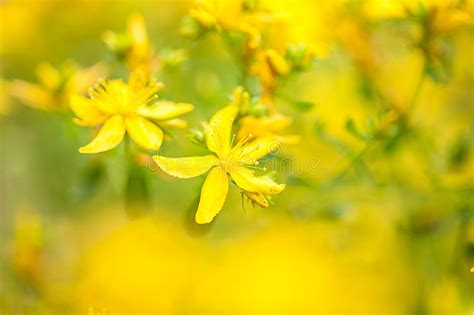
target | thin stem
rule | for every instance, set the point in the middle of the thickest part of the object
(411, 105)
(416, 93)
(239, 59)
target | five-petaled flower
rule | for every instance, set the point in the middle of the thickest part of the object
(120, 107)
(236, 161)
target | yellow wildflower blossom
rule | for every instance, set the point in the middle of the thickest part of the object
(28, 244)
(233, 16)
(268, 66)
(120, 107)
(267, 126)
(256, 126)
(134, 46)
(233, 160)
(303, 21)
(56, 85)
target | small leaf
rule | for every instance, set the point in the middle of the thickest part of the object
(352, 129)
(302, 105)
(460, 152)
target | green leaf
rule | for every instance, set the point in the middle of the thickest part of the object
(302, 105)
(353, 130)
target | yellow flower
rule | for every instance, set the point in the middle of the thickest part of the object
(267, 126)
(120, 107)
(28, 244)
(235, 16)
(446, 20)
(234, 161)
(268, 65)
(305, 21)
(56, 85)
(134, 46)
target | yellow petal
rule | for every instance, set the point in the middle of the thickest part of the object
(137, 30)
(88, 113)
(277, 63)
(109, 136)
(261, 126)
(144, 132)
(48, 76)
(257, 149)
(246, 180)
(206, 19)
(33, 95)
(213, 195)
(140, 50)
(186, 167)
(177, 123)
(218, 131)
(289, 139)
(84, 78)
(277, 122)
(165, 110)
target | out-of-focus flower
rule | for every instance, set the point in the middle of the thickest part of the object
(447, 20)
(234, 161)
(268, 66)
(120, 107)
(28, 245)
(438, 22)
(233, 15)
(15, 36)
(267, 126)
(304, 21)
(294, 266)
(257, 123)
(158, 262)
(55, 85)
(133, 46)
(354, 35)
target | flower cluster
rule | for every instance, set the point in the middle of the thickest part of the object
(238, 135)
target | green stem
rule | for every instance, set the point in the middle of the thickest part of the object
(411, 105)
(416, 93)
(238, 58)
